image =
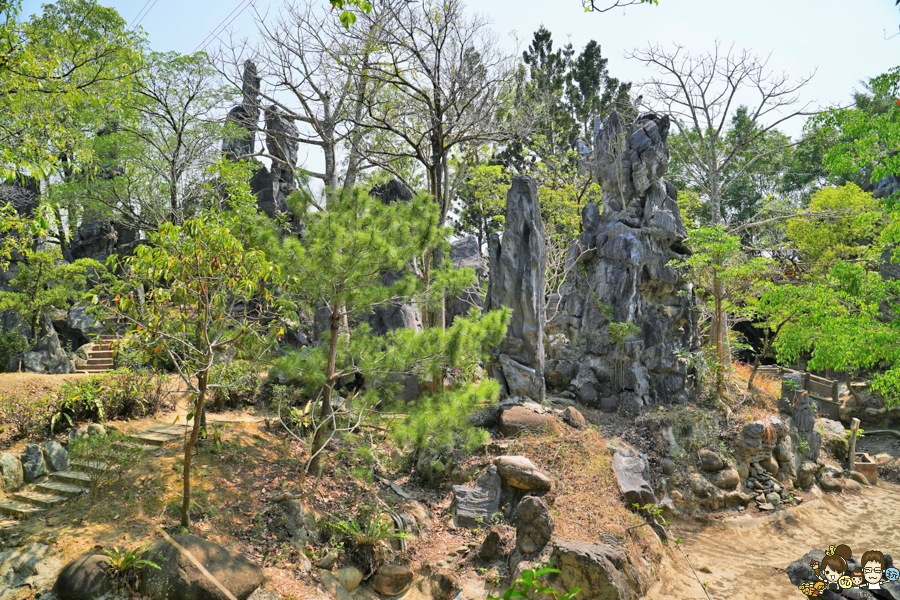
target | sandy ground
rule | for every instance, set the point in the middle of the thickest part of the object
(746, 556)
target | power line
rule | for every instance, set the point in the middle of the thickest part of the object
(139, 13)
(147, 13)
(221, 26)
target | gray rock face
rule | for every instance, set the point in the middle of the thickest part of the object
(245, 116)
(11, 476)
(522, 474)
(47, 357)
(84, 578)
(602, 571)
(476, 506)
(33, 465)
(805, 419)
(179, 579)
(633, 474)
(621, 275)
(534, 525)
(56, 456)
(465, 253)
(22, 193)
(26, 568)
(392, 191)
(281, 142)
(96, 239)
(517, 266)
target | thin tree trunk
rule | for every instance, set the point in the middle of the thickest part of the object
(202, 379)
(321, 437)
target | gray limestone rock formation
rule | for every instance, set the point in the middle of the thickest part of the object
(626, 313)
(95, 239)
(517, 266)
(245, 116)
(47, 357)
(281, 142)
(465, 253)
(392, 191)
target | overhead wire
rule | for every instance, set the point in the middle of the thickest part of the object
(139, 13)
(146, 13)
(242, 5)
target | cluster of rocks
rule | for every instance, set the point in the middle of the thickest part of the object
(621, 281)
(35, 461)
(511, 490)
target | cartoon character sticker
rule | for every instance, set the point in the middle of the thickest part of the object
(833, 573)
(873, 569)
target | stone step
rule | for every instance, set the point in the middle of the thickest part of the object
(100, 362)
(92, 369)
(134, 444)
(73, 477)
(18, 510)
(173, 430)
(39, 499)
(101, 354)
(153, 439)
(93, 466)
(60, 488)
(7, 524)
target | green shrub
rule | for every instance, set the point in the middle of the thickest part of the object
(110, 456)
(241, 381)
(21, 417)
(362, 539)
(124, 568)
(11, 343)
(529, 585)
(120, 394)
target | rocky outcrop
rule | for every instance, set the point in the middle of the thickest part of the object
(626, 311)
(47, 357)
(522, 474)
(496, 544)
(392, 191)
(805, 420)
(96, 240)
(84, 578)
(465, 253)
(275, 185)
(602, 571)
(632, 471)
(22, 193)
(179, 579)
(517, 266)
(26, 569)
(476, 506)
(245, 116)
(534, 525)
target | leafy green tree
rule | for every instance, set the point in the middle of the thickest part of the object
(196, 292)
(854, 233)
(61, 71)
(723, 277)
(44, 282)
(483, 202)
(340, 265)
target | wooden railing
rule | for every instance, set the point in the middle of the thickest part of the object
(824, 391)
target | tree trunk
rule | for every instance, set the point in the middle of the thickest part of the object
(325, 412)
(717, 329)
(202, 379)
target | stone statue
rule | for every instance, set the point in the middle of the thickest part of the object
(623, 326)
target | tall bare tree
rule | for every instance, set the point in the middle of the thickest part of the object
(701, 92)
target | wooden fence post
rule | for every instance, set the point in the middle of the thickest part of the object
(854, 429)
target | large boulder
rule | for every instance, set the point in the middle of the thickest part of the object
(627, 308)
(519, 419)
(757, 440)
(179, 579)
(834, 438)
(33, 465)
(710, 461)
(25, 569)
(56, 456)
(534, 525)
(522, 474)
(633, 475)
(392, 580)
(11, 475)
(84, 578)
(517, 266)
(47, 357)
(476, 506)
(602, 571)
(726, 479)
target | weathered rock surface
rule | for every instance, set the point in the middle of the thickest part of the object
(726, 479)
(11, 475)
(710, 461)
(805, 419)
(293, 520)
(858, 477)
(517, 266)
(179, 579)
(833, 438)
(33, 465)
(496, 543)
(26, 568)
(56, 456)
(520, 473)
(333, 586)
(350, 577)
(807, 474)
(466, 253)
(770, 465)
(84, 578)
(47, 357)
(519, 419)
(392, 580)
(633, 475)
(534, 525)
(476, 506)
(573, 418)
(602, 571)
(245, 116)
(830, 484)
(757, 439)
(624, 275)
(95, 239)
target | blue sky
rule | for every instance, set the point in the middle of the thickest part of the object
(844, 41)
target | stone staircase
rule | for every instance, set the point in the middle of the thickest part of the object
(101, 356)
(56, 488)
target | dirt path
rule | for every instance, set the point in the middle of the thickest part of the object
(746, 556)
